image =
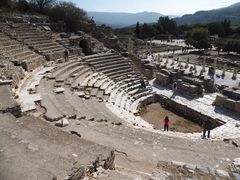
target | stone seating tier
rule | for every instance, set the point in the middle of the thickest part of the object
(29, 37)
(112, 68)
(41, 42)
(108, 62)
(103, 59)
(98, 56)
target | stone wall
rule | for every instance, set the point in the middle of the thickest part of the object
(189, 89)
(162, 79)
(136, 62)
(186, 111)
(232, 93)
(225, 102)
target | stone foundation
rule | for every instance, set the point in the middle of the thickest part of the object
(185, 111)
(230, 104)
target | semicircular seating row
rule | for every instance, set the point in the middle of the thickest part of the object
(35, 37)
(19, 54)
(82, 86)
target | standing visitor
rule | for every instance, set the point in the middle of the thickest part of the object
(166, 123)
(143, 85)
(207, 126)
(66, 55)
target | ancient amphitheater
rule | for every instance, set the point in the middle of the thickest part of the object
(79, 119)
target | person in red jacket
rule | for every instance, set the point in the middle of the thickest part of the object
(166, 123)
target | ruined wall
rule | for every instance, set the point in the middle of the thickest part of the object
(140, 68)
(185, 111)
(225, 102)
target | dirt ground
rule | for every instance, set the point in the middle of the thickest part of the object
(155, 114)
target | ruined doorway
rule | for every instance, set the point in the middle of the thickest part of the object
(85, 47)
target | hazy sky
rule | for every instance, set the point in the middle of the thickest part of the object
(167, 7)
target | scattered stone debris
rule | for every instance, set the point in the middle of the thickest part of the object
(82, 117)
(76, 133)
(62, 123)
(72, 116)
(234, 143)
(117, 123)
(95, 169)
(59, 90)
(109, 162)
(91, 119)
(32, 147)
(230, 140)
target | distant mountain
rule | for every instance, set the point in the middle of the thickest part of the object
(202, 17)
(119, 20)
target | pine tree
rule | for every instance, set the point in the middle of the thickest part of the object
(137, 30)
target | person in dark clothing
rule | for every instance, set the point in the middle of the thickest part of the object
(166, 123)
(66, 55)
(207, 126)
(143, 85)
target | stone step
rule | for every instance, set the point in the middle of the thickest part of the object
(119, 98)
(117, 69)
(29, 57)
(48, 44)
(124, 101)
(40, 42)
(110, 62)
(8, 49)
(66, 67)
(112, 66)
(19, 49)
(94, 80)
(28, 35)
(135, 105)
(100, 94)
(32, 38)
(111, 87)
(101, 81)
(36, 40)
(21, 54)
(80, 78)
(103, 60)
(50, 49)
(94, 92)
(84, 83)
(119, 73)
(98, 56)
(53, 55)
(6, 42)
(69, 72)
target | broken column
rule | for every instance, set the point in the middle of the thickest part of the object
(158, 58)
(150, 48)
(195, 69)
(166, 61)
(187, 63)
(130, 46)
(204, 65)
(215, 65)
(224, 70)
(234, 77)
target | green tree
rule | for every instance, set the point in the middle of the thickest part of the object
(166, 25)
(216, 28)
(137, 30)
(147, 31)
(74, 17)
(199, 38)
(226, 25)
(43, 3)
